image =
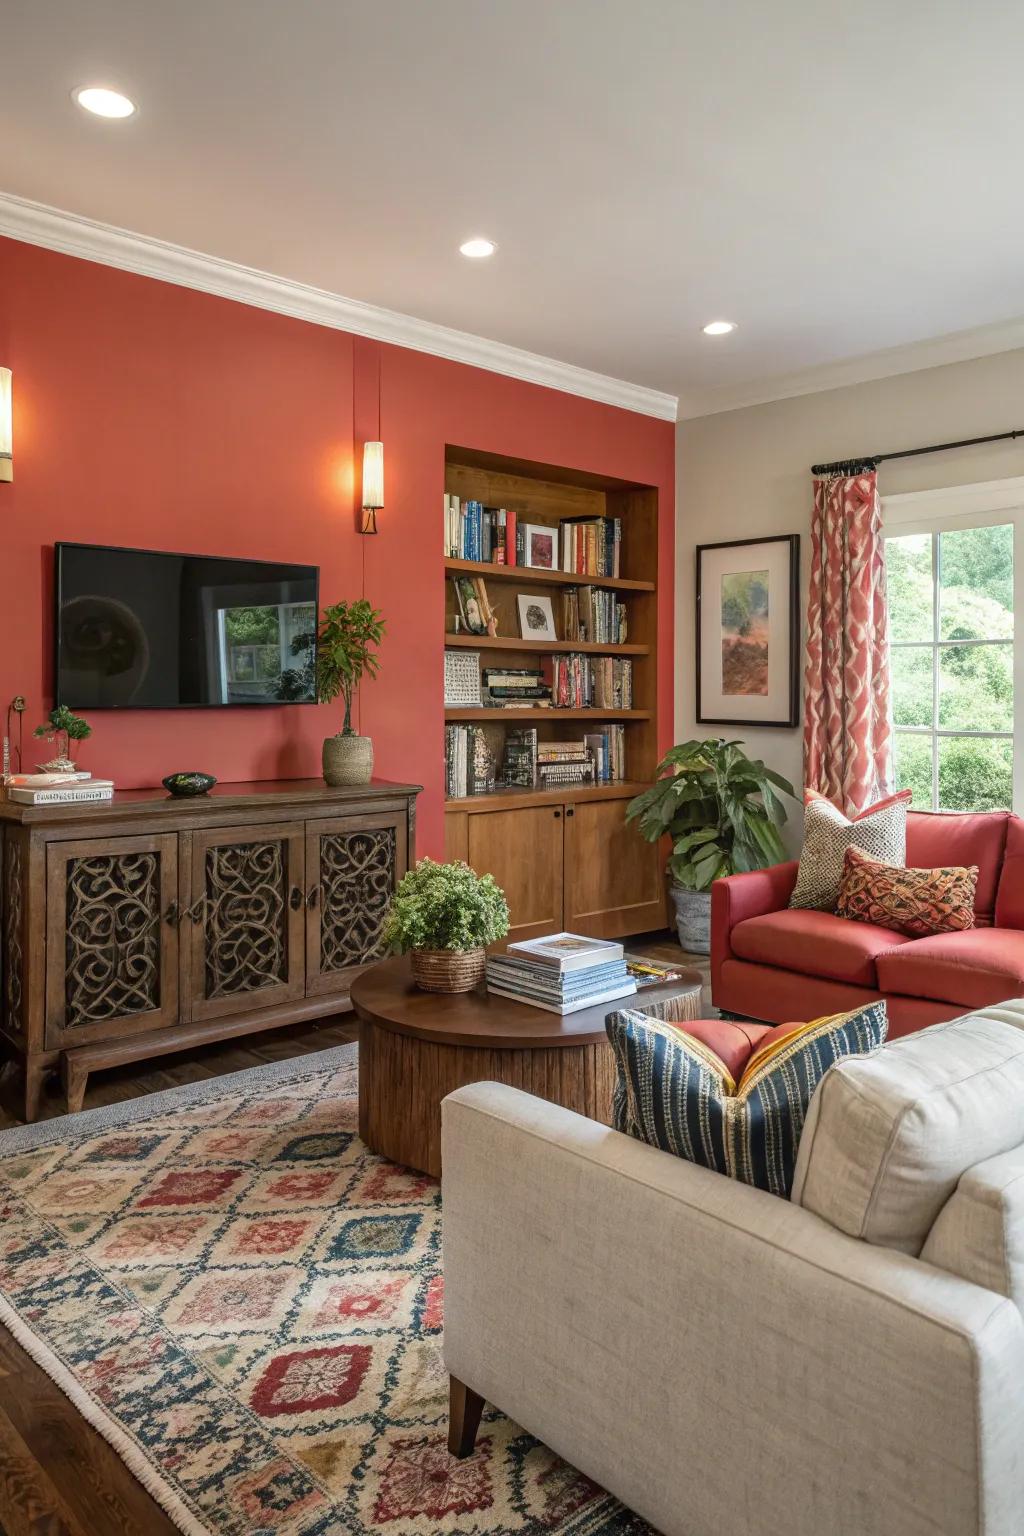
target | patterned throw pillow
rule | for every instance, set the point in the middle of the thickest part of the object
(913, 901)
(880, 831)
(674, 1092)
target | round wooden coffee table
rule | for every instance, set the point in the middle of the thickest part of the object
(415, 1047)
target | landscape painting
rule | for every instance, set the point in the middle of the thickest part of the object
(745, 633)
(748, 593)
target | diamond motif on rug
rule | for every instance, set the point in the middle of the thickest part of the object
(254, 1304)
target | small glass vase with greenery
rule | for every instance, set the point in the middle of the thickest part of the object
(723, 811)
(347, 638)
(62, 727)
(444, 916)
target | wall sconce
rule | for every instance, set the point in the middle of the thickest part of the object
(6, 427)
(373, 485)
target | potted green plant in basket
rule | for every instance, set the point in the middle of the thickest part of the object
(62, 727)
(723, 811)
(445, 915)
(347, 638)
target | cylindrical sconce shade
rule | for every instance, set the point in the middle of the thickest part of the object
(373, 474)
(6, 427)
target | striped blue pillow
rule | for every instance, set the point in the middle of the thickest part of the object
(674, 1092)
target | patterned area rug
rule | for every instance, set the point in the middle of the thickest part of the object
(248, 1306)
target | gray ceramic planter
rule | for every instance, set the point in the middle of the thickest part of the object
(693, 919)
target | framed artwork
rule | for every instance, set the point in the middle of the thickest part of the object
(748, 595)
(470, 608)
(462, 680)
(540, 544)
(536, 617)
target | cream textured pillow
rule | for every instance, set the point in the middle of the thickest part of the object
(888, 1136)
(979, 1233)
(880, 832)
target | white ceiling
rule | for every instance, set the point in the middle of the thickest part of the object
(838, 178)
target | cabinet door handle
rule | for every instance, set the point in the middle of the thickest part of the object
(313, 899)
(172, 917)
(570, 812)
(558, 815)
(295, 898)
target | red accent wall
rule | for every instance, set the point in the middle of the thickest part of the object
(154, 416)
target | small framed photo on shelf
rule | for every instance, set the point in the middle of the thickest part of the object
(462, 680)
(747, 631)
(540, 545)
(468, 606)
(536, 617)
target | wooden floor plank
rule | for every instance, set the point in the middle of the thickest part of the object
(29, 1503)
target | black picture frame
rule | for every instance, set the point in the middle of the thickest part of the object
(792, 630)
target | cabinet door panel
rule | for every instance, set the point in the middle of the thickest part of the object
(613, 878)
(353, 864)
(112, 939)
(245, 921)
(522, 849)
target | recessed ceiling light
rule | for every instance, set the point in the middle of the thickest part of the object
(478, 247)
(103, 103)
(718, 328)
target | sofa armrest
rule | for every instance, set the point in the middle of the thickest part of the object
(738, 897)
(715, 1356)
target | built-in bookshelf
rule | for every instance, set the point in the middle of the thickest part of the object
(564, 847)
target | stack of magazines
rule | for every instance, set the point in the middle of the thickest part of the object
(561, 973)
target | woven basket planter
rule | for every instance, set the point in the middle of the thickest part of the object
(447, 970)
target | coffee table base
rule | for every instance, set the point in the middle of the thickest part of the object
(402, 1081)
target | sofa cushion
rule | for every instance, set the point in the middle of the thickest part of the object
(937, 838)
(815, 944)
(880, 831)
(917, 902)
(675, 1093)
(973, 969)
(888, 1136)
(1010, 894)
(979, 1233)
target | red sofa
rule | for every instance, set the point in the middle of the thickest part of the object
(773, 963)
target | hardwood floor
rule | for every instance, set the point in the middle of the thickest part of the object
(58, 1476)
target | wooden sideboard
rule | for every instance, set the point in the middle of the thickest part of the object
(150, 924)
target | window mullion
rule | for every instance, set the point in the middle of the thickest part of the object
(936, 578)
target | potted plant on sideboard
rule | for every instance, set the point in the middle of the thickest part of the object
(347, 638)
(64, 728)
(444, 916)
(723, 811)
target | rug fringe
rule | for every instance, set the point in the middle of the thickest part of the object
(100, 1421)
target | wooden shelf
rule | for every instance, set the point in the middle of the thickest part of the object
(543, 647)
(510, 716)
(531, 573)
(506, 799)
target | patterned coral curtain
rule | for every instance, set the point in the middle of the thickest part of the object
(847, 728)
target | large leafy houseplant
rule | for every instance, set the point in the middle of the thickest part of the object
(347, 638)
(445, 914)
(722, 810)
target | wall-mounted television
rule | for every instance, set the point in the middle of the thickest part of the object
(144, 629)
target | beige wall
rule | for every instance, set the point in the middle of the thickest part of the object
(744, 474)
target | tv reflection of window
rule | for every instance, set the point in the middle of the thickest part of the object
(267, 651)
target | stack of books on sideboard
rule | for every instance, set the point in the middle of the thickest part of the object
(561, 973)
(58, 788)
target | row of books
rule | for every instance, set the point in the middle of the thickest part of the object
(475, 532)
(507, 684)
(599, 757)
(468, 762)
(591, 546)
(594, 615)
(58, 788)
(561, 973)
(591, 682)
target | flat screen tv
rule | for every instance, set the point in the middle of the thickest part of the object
(141, 629)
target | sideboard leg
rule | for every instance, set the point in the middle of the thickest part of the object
(35, 1073)
(74, 1076)
(464, 1409)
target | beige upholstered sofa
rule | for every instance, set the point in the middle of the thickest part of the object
(848, 1363)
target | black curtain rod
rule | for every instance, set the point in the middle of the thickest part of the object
(872, 461)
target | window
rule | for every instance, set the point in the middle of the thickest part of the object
(951, 591)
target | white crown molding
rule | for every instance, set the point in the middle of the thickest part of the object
(73, 235)
(956, 347)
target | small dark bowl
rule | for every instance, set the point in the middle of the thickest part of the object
(184, 785)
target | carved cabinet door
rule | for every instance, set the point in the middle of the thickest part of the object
(111, 938)
(243, 919)
(353, 864)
